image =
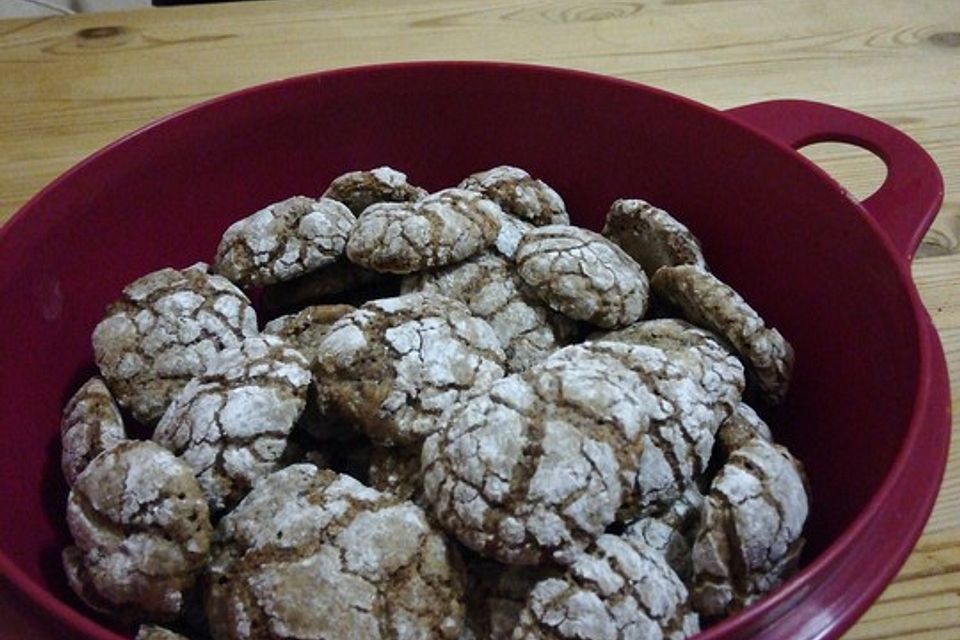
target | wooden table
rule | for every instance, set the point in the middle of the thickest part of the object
(70, 85)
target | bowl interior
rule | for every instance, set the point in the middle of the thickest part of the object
(787, 239)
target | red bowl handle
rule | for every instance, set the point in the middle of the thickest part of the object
(910, 196)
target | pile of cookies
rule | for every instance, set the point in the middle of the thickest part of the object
(465, 419)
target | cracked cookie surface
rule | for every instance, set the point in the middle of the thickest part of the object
(360, 189)
(583, 275)
(666, 411)
(519, 195)
(514, 477)
(91, 424)
(394, 366)
(617, 590)
(443, 228)
(153, 632)
(142, 532)
(706, 301)
(671, 532)
(651, 236)
(307, 328)
(742, 426)
(230, 425)
(163, 331)
(283, 241)
(310, 553)
(749, 539)
(497, 595)
(491, 288)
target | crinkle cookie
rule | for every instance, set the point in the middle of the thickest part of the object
(741, 427)
(313, 554)
(519, 195)
(360, 189)
(338, 280)
(231, 423)
(394, 366)
(512, 475)
(153, 632)
(396, 470)
(583, 275)
(510, 234)
(91, 424)
(497, 594)
(443, 228)
(142, 532)
(672, 532)
(617, 590)
(165, 330)
(674, 417)
(749, 539)
(651, 236)
(305, 330)
(285, 240)
(492, 290)
(705, 300)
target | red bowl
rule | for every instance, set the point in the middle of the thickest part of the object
(869, 409)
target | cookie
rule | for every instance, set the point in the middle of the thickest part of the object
(616, 590)
(360, 189)
(142, 532)
(163, 331)
(583, 275)
(670, 413)
(671, 533)
(741, 427)
(514, 478)
(304, 330)
(706, 301)
(153, 632)
(519, 195)
(231, 424)
(491, 288)
(91, 424)
(651, 236)
(394, 366)
(283, 241)
(510, 234)
(749, 539)
(313, 554)
(443, 228)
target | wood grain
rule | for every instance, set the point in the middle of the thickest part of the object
(68, 86)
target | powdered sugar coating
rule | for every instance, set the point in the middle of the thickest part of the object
(443, 228)
(510, 234)
(284, 240)
(163, 331)
(313, 554)
(651, 236)
(671, 532)
(394, 366)
(307, 328)
(583, 275)
(491, 288)
(360, 189)
(91, 424)
(231, 423)
(514, 477)
(750, 536)
(681, 402)
(615, 591)
(153, 632)
(519, 195)
(708, 302)
(142, 532)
